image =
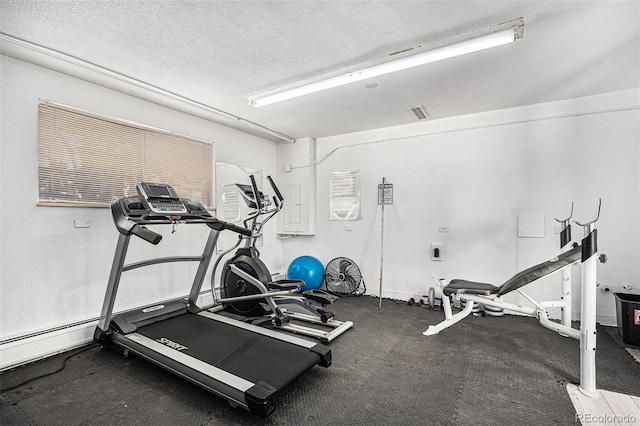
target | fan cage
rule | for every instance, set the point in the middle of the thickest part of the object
(342, 277)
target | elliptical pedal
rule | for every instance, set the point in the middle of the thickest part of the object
(320, 296)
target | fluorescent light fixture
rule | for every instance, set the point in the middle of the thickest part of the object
(456, 49)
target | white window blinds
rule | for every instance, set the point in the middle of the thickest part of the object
(88, 160)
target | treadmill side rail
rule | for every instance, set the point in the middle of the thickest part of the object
(320, 349)
(257, 398)
(260, 330)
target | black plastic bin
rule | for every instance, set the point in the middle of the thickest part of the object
(628, 311)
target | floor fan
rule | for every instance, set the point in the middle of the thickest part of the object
(342, 277)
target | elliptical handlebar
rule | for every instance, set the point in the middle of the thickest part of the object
(261, 205)
(277, 202)
(252, 227)
(275, 189)
(256, 192)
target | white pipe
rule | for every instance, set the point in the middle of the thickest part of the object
(61, 62)
(468, 128)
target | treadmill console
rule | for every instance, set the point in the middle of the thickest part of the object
(161, 198)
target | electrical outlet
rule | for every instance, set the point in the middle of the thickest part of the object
(436, 251)
(443, 228)
(81, 223)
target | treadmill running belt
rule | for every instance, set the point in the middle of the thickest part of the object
(252, 356)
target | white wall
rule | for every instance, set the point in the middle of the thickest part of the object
(476, 174)
(52, 273)
(470, 173)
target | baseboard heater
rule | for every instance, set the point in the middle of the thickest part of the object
(23, 349)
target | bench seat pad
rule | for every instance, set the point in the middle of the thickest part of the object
(469, 287)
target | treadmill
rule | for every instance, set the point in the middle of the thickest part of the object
(246, 364)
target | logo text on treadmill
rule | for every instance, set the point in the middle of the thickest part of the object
(152, 308)
(172, 344)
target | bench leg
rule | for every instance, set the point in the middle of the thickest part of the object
(449, 318)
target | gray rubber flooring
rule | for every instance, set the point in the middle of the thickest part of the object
(482, 371)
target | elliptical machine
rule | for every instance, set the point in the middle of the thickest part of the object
(244, 276)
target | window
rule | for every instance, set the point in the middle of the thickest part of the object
(88, 160)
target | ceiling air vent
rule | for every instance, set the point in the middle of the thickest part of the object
(419, 112)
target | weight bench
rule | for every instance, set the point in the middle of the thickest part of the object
(490, 295)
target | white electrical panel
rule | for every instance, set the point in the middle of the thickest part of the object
(299, 196)
(297, 181)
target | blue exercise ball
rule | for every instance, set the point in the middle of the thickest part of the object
(308, 269)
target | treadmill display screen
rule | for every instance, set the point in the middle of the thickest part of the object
(159, 191)
(160, 198)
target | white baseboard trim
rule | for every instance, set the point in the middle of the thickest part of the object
(19, 352)
(606, 320)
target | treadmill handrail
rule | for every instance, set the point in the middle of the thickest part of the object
(132, 224)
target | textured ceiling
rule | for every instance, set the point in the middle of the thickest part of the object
(221, 52)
